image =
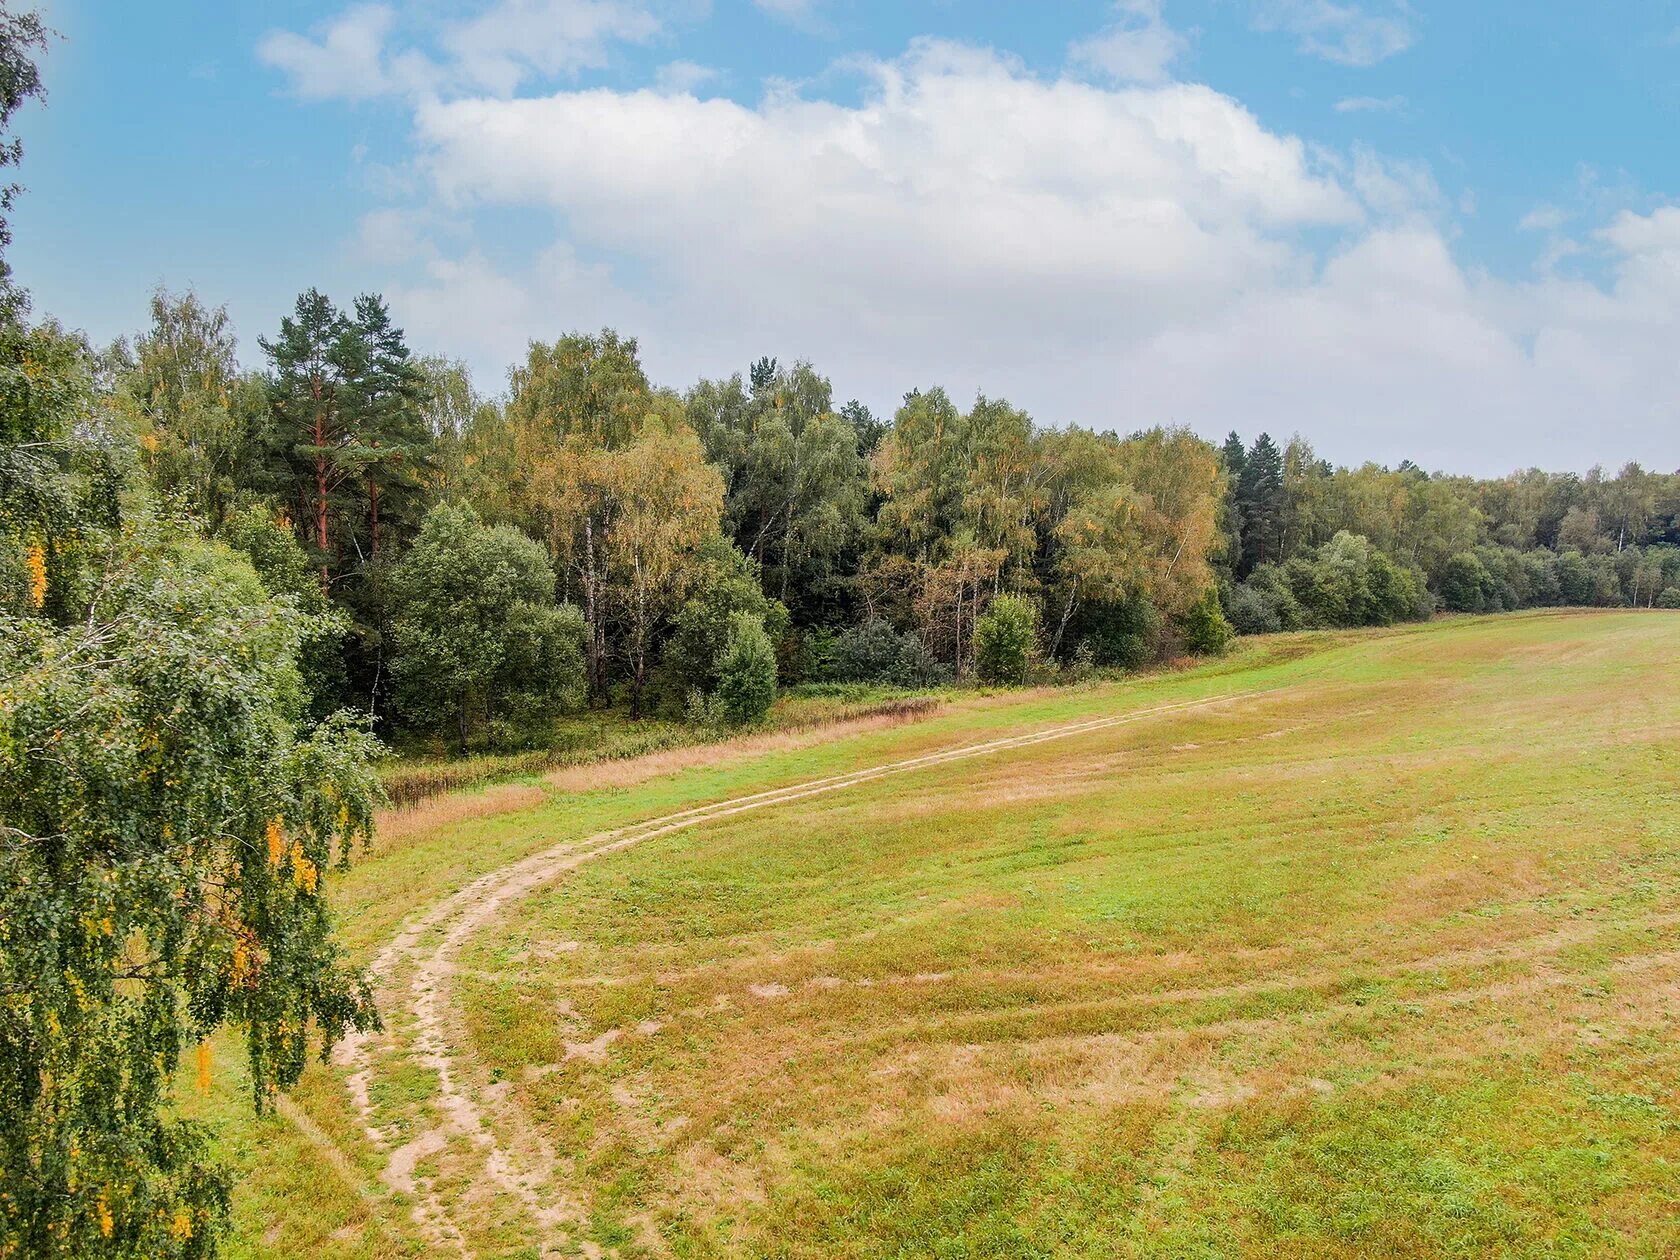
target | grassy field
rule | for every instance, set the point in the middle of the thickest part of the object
(1346, 945)
(589, 738)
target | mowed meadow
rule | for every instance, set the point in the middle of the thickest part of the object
(1348, 944)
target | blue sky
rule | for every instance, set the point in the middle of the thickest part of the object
(1432, 231)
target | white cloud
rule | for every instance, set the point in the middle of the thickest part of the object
(681, 78)
(513, 39)
(1113, 255)
(355, 56)
(789, 10)
(468, 306)
(1139, 48)
(1351, 34)
(346, 59)
(1543, 219)
(1371, 105)
(1395, 189)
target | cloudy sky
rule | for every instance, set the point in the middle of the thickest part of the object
(1448, 232)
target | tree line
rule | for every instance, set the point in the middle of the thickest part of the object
(585, 537)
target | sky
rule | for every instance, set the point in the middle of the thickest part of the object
(1404, 229)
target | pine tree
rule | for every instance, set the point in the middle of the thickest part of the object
(346, 399)
(1260, 499)
(386, 393)
(312, 424)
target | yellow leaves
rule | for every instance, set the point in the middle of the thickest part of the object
(149, 442)
(305, 873)
(203, 1061)
(182, 1226)
(35, 560)
(107, 1223)
(243, 970)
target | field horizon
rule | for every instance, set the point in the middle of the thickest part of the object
(1349, 942)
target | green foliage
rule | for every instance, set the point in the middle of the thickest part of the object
(285, 569)
(481, 649)
(347, 442)
(1249, 611)
(1260, 504)
(746, 685)
(185, 397)
(875, 652)
(1670, 598)
(796, 484)
(1466, 585)
(1348, 582)
(59, 468)
(23, 37)
(1005, 639)
(164, 827)
(726, 583)
(1121, 633)
(1206, 632)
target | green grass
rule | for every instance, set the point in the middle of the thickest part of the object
(1379, 960)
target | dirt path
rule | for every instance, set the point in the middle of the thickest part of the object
(430, 944)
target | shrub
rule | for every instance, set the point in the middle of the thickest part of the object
(703, 711)
(1206, 632)
(875, 652)
(1271, 584)
(1669, 598)
(1466, 584)
(727, 583)
(1004, 640)
(1122, 634)
(1250, 612)
(481, 647)
(747, 673)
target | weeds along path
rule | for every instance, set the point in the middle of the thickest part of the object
(425, 951)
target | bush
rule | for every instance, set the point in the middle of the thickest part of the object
(1004, 640)
(747, 673)
(726, 584)
(481, 647)
(1466, 585)
(703, 711)
(1206, 632)
(1574, 579)
(1250, 612)
(1123, 634)
(1271, 584)
(875, 652)
(1669, 598)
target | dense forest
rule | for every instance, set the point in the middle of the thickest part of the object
(226, 580)
(473, 564)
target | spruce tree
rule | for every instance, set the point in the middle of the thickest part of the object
(1260, 497)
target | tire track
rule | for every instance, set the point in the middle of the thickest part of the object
(432, 942)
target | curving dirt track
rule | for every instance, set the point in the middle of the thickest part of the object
(424, 953)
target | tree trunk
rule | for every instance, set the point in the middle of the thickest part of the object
(320, 479)
(373, 511)
(1067, 614)
(592, 611)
